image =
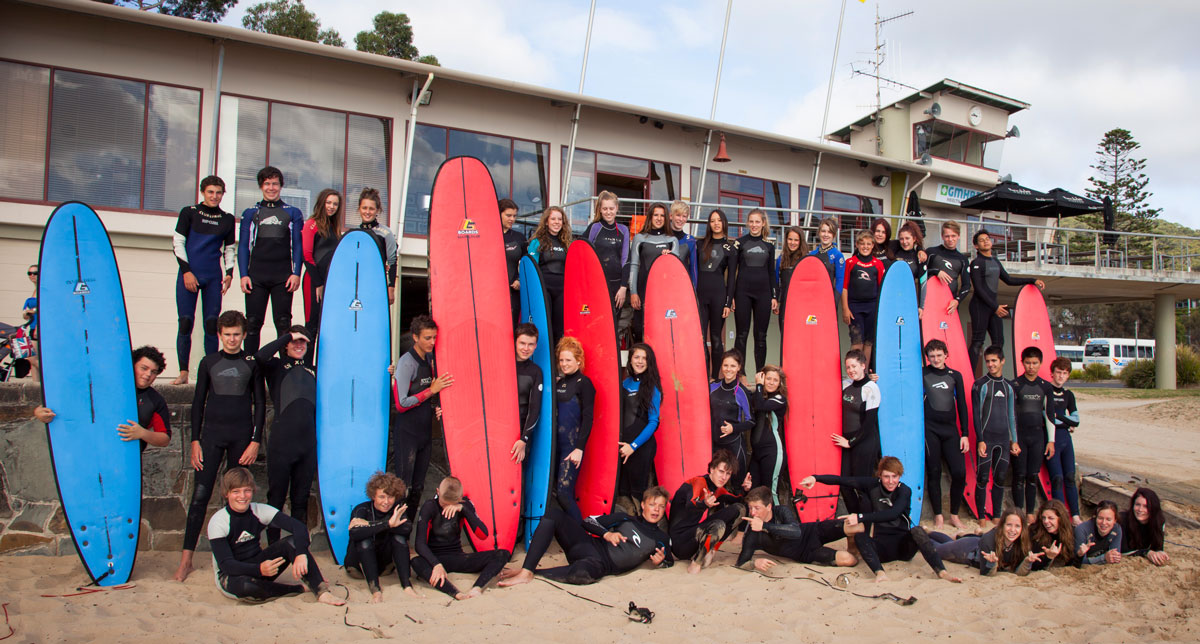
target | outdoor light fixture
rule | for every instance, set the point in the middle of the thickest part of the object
(880, 180)
(722, 155)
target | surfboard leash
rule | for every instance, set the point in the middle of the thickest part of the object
(574, 594)
(91, 589)
(11, 631)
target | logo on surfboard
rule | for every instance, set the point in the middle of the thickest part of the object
(1036, 335)
(900, 321)
(671, 314)
(356, 305)
(810, 320)
(81, 288)
(585, 310)
(467, 228)
(943, 325)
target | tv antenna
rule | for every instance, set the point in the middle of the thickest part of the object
(875, 69)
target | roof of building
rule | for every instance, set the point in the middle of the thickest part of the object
(944, 86)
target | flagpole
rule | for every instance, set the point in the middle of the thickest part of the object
(812, 190)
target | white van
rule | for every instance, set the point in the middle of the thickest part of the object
(1116, 352)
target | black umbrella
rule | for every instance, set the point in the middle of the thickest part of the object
(1068, 204)
(1010, 197)
(913, 212)
(1110, 221)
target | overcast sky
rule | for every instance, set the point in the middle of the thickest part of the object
(1084, 66)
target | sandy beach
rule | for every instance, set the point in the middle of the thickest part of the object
(1129, 602)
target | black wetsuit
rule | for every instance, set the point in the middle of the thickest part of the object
(863, 282)
(412, 433)
(860, 427)
(785, 536)
(589, 557)
(1034, 430)
(574, 396)
(835, 264)
(714, 293)
(910, 257)
(270, 251)
(203, 241)
(646, 249)
(689, 512)
(529, 397)
(894, 538)
(292, 441)
(373, 545)
(986, 275)
(236, 540)
(996, 427)
(1062, 465)
(968, 550)
(783, 277)
(946, 425)
(319, 249)
(439, 541)
(766, 440)
(514, 249)
(612, 249)
(731, 404)
(153, 413)
(940, 259)
(638, 425)
(1101, 544)
(228, 412)
(754, 290)
(552, 263)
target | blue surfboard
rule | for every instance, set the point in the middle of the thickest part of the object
(898, 363)
(87, 379)
(539, 454)
(353, 352)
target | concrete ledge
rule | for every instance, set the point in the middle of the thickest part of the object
(1094, 490)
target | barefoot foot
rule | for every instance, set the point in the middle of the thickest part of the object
(474, 592)
(328, 598)
(412, 592)
(880, 576)
(181, 379)
(938, 521)
(376, 598)
(693, 567)
(185, 567)
(522, 576)
(955, 521)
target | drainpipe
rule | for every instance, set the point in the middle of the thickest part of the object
(398, 220)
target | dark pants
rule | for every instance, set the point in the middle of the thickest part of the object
(554, 294)
(862, 322)
(289, 470)
(260, 293)
(212, 452)
(964, 550)
(741, 460)
(712, 326)
(369, 555)
(1026, 467)
(943, 443)
(564, 486)
(488, 563)
(1062, 470)
(995, 465)
(766, 464)
(411, 466)
(684, 544)
(586, 562)
(635, 473)
(209, 292)
(256, 588)
(983, 321)
(888, 545)
(758, 304)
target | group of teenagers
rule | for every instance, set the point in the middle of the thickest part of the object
(742, 496)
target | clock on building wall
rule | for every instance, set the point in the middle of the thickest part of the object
(975, 115)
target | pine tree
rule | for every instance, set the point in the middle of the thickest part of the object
(1121, 177)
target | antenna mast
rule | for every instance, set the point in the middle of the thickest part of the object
(876, 65)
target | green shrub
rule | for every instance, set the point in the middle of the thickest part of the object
(1076, 374)
(1139, 374)
(1096, 372)
(1187, 366)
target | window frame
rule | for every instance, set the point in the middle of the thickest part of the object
(971, 132)
(45, 200)
(733, 193)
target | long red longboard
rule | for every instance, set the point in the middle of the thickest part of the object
(1031, 328)
(588, 317)
(468, 284)
(812, 364)
(937, 324)
(673, 331)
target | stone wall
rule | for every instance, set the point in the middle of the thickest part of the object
(31, 517)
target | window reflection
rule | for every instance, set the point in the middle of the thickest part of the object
(309, 146)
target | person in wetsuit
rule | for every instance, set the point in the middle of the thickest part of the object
(379, 534)
(610, 239)
(860, 294)
(756, 293)
(654, 240)
(1098, 540)
(270, 257)
(909, 247)
(1004, 547)
(292, 441)
(718, 257)
(1143, 527)
(704, 513)
(946, 263)
(1053, 535)
(794, 250)
(228, 412)
(529, 388)
(246, 571)
(881, 234)
(413, 388)
(827, 251)
(859, 439)
(686, 249)
(641, 398)
(319, 238)
(729, 409)
(766, 439)
(886, 509)
(439, 542)
(203, 242)
(946, 431)
(1061, 465)
(599, 546)
(548, 247)
(574, 398)
(1035, 430)
(514, 249)
(995, 431)
(370, 204)
(776, 529)
(986, 310)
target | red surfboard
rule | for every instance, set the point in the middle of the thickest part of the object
(936, 324)
(468, 284)
(673, 331)
(1031, 328)
(812, 363)
(588, 317)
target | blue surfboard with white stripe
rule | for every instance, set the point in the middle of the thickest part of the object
(353, 353)
(539, 454)
(87, 379)
(902, 395)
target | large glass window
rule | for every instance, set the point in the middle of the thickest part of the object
(110, 142)
(314, 148)
(742, 194)
(518, 167)
(630, 178)
(959, 144)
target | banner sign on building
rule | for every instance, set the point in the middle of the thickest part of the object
(954, 195)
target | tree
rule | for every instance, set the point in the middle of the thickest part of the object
(1121, 177)
(392, 36)
(292, 19)
(206, 10)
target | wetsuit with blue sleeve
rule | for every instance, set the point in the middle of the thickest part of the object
(835, 263)
(574, 398)
(638, 423)
(686, 250)
(270, 250)
(204, 246)
(1062, 465)
(730, 403)
(766, 440)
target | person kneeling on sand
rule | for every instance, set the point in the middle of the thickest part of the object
(608, 544)
(439, 542)
(777, 530)
(244, 570)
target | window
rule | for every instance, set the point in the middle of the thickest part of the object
(833, 201)
(110, 142)
(959, 144)
(626, 177)
(519, 169)
(1097, 350)
(743, 194)
(314, 148)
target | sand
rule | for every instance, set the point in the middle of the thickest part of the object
(1129, 602)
